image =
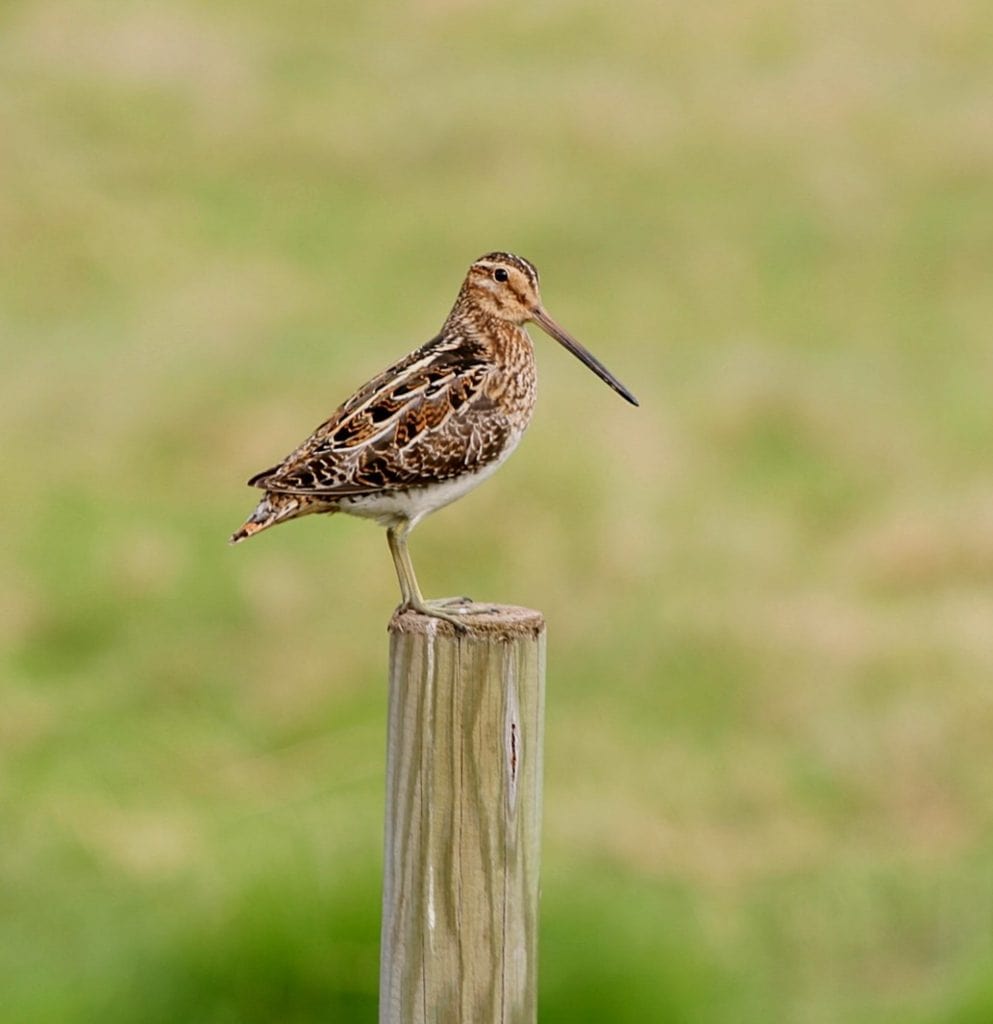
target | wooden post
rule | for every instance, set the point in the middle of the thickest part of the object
(463, 820)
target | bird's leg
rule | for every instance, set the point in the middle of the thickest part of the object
(399, 563)
(409, 590)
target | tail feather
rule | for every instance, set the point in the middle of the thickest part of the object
(272, 509)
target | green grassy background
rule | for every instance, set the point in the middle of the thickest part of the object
(769, 791)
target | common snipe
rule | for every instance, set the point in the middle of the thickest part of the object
(432, 426)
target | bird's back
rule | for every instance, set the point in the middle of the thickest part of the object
(450, 409)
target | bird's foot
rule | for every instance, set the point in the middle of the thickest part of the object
(450, 609)
(454, 603)
(462, 606)
(435, 610)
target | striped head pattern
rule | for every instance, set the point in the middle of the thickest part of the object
(503, 286)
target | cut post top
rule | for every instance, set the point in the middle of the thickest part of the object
(483, 622)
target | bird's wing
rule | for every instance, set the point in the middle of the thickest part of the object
(417, 423)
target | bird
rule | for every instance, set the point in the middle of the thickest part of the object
(431, 427)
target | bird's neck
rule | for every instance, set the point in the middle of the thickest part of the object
(497, 337)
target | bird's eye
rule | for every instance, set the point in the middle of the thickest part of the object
(500, 275)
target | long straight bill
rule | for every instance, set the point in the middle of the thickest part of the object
(547, 324)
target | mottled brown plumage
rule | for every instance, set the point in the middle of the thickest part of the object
(432, 426)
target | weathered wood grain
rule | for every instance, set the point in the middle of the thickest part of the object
(463, 820)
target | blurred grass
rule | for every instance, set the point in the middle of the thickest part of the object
(769, 776)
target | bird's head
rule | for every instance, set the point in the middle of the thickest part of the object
(505, 287)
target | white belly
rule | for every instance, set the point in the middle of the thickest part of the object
(414, 504)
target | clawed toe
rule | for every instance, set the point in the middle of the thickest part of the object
(432, 610)
(451, 609)
(462, 606)
(450, 602)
